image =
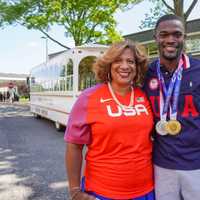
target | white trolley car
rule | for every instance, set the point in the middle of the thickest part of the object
(55, 85)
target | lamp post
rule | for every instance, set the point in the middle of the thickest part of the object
(46, 48)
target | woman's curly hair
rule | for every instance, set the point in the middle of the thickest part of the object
(102, 66)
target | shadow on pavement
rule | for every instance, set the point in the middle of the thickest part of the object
(31, 165)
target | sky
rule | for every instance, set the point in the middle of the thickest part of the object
(22, 49)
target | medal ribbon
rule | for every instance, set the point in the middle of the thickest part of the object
(173, 108)
(172, 91)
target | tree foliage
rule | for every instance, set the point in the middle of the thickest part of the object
(162, 7)
(83, 20)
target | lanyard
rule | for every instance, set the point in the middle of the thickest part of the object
(170, 94)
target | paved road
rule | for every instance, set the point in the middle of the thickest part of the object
(31, 157)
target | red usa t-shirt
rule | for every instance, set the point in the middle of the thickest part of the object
(118, 160)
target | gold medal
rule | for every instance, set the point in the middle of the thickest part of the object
(173, 127)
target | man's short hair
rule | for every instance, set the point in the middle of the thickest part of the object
(168, 17)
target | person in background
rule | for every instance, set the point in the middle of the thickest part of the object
(11, 95)
(114, 120)
(1, 97)
(173, 86)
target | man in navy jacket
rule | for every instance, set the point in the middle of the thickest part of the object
(173, 87)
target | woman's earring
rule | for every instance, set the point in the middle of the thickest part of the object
(132, 82)
(109, 78)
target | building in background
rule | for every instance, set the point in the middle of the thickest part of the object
(192, 41)
(12, 86)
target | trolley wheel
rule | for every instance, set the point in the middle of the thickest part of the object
(36, 116)
(59, 127)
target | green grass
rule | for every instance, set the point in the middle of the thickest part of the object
(23, 100)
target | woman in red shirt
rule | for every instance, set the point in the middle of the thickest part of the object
(114, 120)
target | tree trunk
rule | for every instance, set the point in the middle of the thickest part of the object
(179, 10)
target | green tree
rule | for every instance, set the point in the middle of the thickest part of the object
(162, 7)
(83, 20)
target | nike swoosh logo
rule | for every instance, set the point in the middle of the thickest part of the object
(105, 100)
(140, 99)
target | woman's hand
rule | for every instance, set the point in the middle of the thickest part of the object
(82, 196)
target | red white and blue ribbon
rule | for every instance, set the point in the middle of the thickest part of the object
(169, 96)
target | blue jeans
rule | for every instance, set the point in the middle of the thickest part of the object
(148, 196)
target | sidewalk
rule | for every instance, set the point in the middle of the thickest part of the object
(16, 103)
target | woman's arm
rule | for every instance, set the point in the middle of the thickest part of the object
(73, 162)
